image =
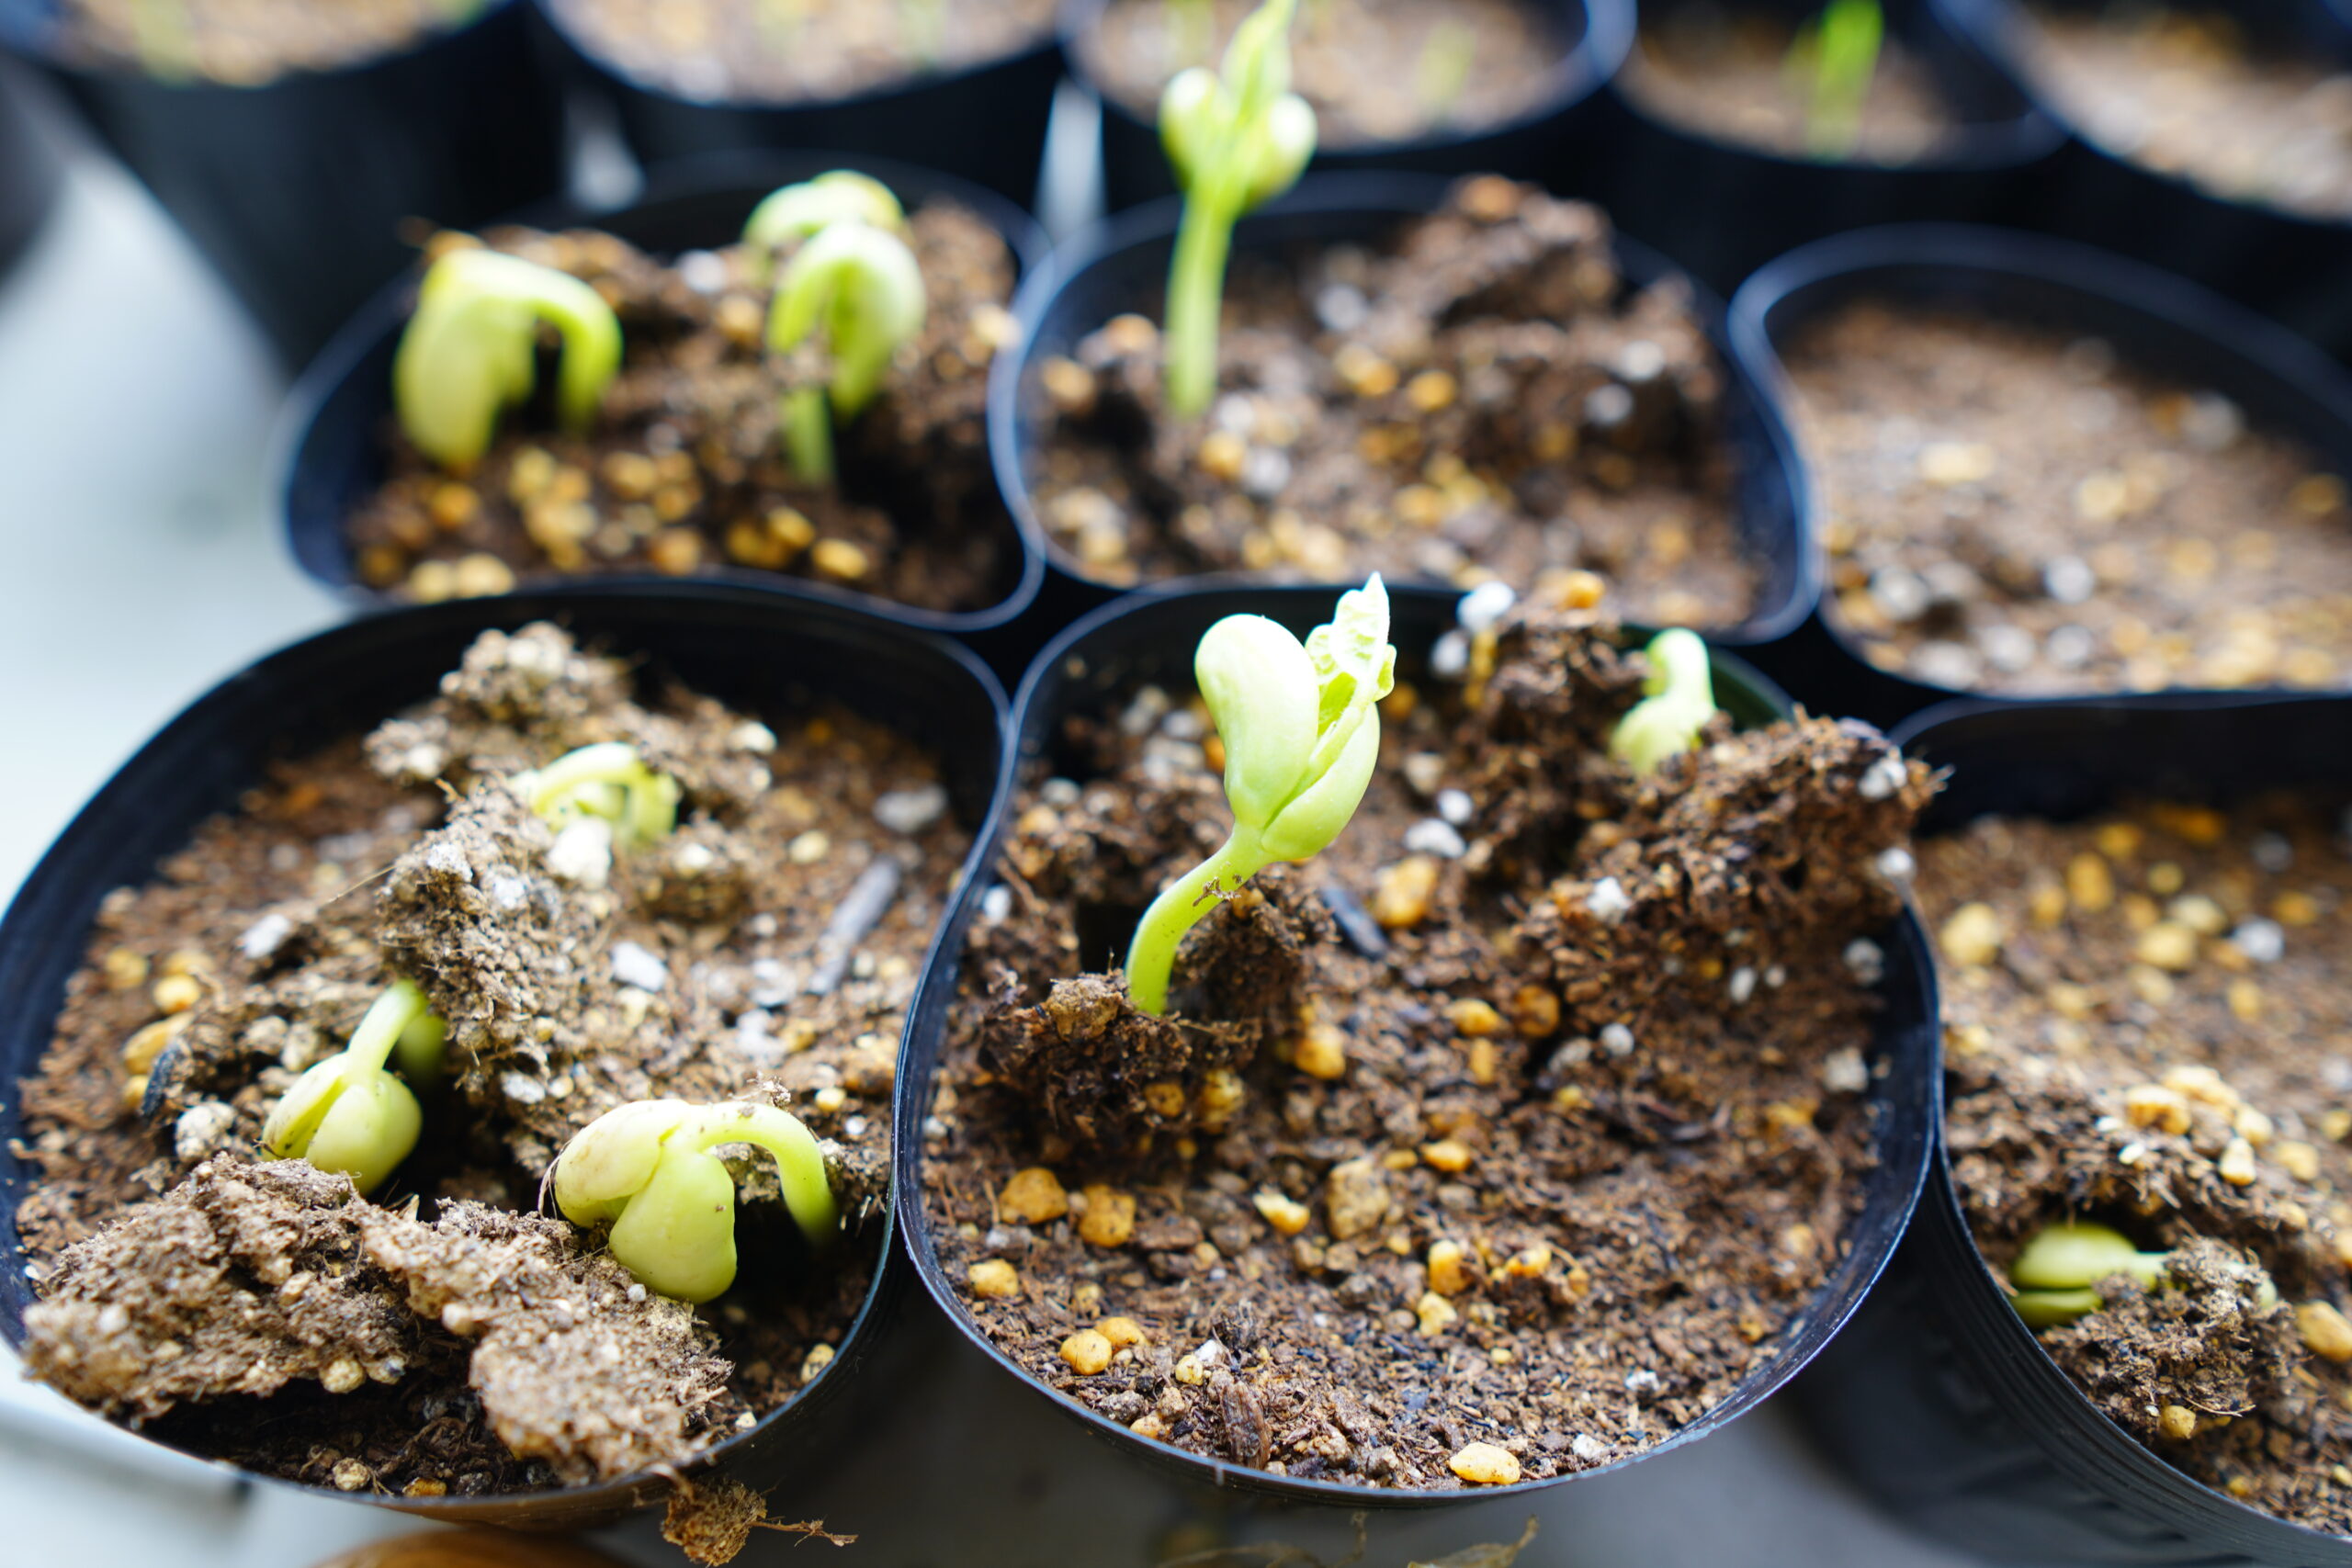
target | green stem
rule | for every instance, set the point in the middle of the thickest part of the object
(388, 1019)
(808, 434)
(1195, 293)
(1151, 955)
(799, 1163)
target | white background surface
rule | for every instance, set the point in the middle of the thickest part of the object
(139, 563)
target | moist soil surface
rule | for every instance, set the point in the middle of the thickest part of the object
(1546, 1156)
(1376, 71)
(2147, 1026)
(1730, 76)
(244, 43)
(448, 1336)
(2012, 509)
(791, 51)
(685, 471)
(2186, 92)
(1485, 397)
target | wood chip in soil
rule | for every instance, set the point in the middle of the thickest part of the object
(1550, 1173)
(2014, 508)
(401, 1345)
(2147, 1026)
(1481, 396)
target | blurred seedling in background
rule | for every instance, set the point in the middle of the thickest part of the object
(1301, 728)
(1442, 74)
(1830, 66)
(648, 1169)
(1679, 700)
(470, 351)
(1236, 140)
(348, 1114)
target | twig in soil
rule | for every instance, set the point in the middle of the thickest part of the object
(348, 1113)
(808, 1530)
(471, 349)
(1301, 724)
(1236, 140)
(646, 1169)
(860, 910)
(1355, 921)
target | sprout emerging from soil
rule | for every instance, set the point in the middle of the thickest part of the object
(608, 782)
(791, 215)
(1681, 699)
(648, 1169)
(1443, 71)
(1236, 140)
(346, 1114)
(2060, 1267)
(1833, 60)
(471, 349)
(1301, 727)
(858, 289)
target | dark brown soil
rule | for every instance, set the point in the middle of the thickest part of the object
(1547, 1164)
(707, 966)
(2146, 1025)
(1377, 71)
(2184, 91)
(244, 43)
(1728, 76)
(784, 51)
(685, 471)
(1493, 402)
(2012, 509)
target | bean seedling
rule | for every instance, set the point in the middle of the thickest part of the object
(789, 216)
(471, 347)
(348, 1113)
(1833, 60)
(1301, 728)
(1679, 700)
(858, 290)
(2057, 1272)
(1443, 73)
(1236, 140)
(608, 782)
(647, 1168)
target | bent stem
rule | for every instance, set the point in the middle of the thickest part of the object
(1183, 903)
(808, 434)
(346, 1114)
(799, 1163)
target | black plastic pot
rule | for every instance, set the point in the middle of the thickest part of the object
(1150, 638)
(2165, 323)
(1594, 34)
(986, 123)
(1724, 207)
(297, 190)
(1938, 1400)
(760, 651)
(2287, 266)
(1123, 265)
(330, 451)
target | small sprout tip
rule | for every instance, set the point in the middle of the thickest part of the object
(859, 290)
(1681, 699)
(792, 215)
(1832, 63)
(468, 351)
(2059, 1268)
(610, 781)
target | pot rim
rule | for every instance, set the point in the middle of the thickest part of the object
(925, 1043)
(710, 175)
(31, 29)
(59, 867)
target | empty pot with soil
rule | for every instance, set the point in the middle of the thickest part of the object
(2210, 139)
(2117, 1332)
(307, 1012)
(1555, 1111)
(1445, 87)
(962, 86)
(2039, 469)
(1739, 131)
(689, 457)
(1454, 383)
(293, 141)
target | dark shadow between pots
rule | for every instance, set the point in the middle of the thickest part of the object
(1593, 34)
(2165, 324)
(2289, 266)
(1150, 638)
(328, 450)
(1123, 265)
(1938, 1400)
(986, 123)
(762, 650)
(1724, 207)
(296, 191)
